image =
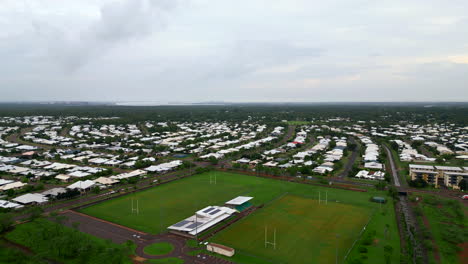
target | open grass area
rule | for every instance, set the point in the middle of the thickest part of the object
(308, 228)
(161, 248)
(380, 237)
(444, 227)
(306, 231)
(166, 261)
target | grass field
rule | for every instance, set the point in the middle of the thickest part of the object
(297, 210)
(166, 261)
(446, 227)
(161, 248)
(305, 230)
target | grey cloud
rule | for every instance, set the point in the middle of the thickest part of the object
(244, 50)
(246, 57)
(119, 22)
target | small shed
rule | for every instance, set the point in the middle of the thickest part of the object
(220, 249)
(377, 199)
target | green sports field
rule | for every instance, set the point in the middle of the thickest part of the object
(287, 204)
(306, 231)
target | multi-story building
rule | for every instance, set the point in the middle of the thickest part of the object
(449, 176)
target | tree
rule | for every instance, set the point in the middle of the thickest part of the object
(416, 144)
(352, 146)
(394, 145)
(380, 185)
(213, 160)
(35, 212)
(96, 190)
(6, 220)
(388, 251)
(418, 183)
(463, 184)
(392, 191)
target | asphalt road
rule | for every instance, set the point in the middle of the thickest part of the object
(351, 160)
(396, 179)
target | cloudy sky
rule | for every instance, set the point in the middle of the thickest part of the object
(243, 50)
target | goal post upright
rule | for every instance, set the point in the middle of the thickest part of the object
(266, 238)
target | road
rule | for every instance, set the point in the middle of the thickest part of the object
(351, 160)
(120, 234)
(396, 179)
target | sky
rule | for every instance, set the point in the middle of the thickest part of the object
(234, 51)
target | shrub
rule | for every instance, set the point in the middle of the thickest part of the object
(362, 249)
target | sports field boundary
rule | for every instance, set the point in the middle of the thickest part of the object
(82, 206)
(275, 199)
(289, 179)
(360, 235)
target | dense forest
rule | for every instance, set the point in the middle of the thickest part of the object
(382, 113)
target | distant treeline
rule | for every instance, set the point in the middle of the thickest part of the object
(384, 114)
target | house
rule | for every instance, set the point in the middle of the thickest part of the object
(54, 192)
(79, 174)
(28, 154)
(373, 165)
(270, 164)
(243, 161)
(63, 177)
(31, 198)
(164, 166)
(7, 205)
(82, 185)
(12, 186)
(135, 173)
(3, 182)
(106, 181)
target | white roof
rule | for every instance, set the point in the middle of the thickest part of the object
(12, 185)
(31, 198)
(105, 181)
(79, 174)
(129, 174)
(7, 204)
(81, 185)
(421, 167)
(373, 165)
(448, 168)
(203, 219)
(3, 182)
(239, 200)
(55, 191)
(62, 177)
